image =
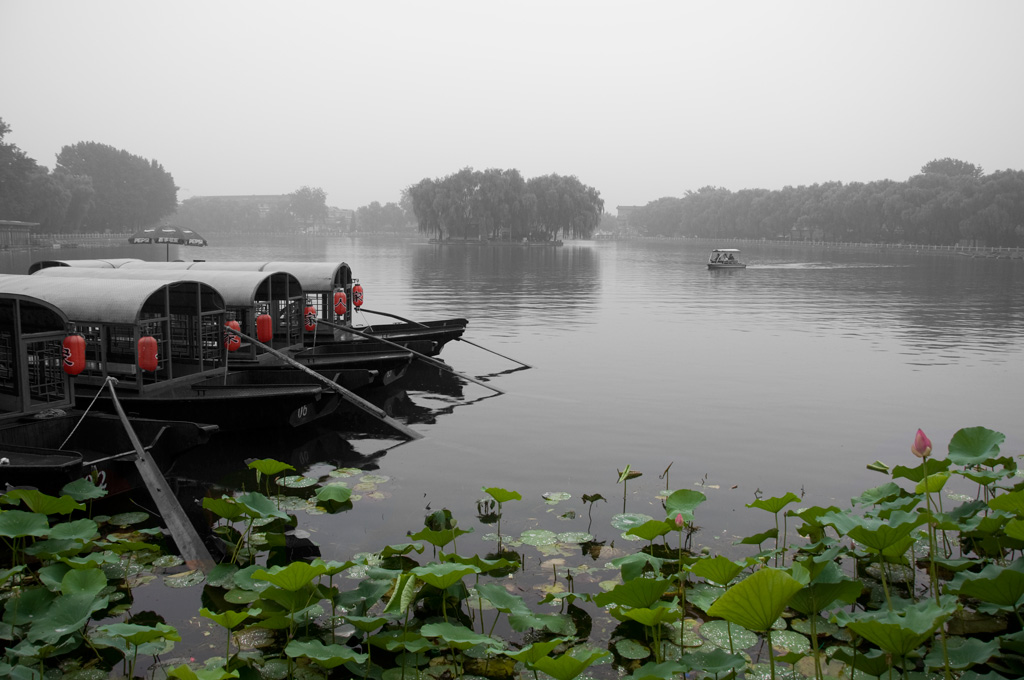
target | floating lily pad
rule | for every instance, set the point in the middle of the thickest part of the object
(125, 518)
(185, 580)
(374, 479)
(631, 649)
(575, 537)
(165, 561)
(296, 482)
(538, 537)
(790, 641)
(628, 520)
(552, 497)
(718, 632)
(345, 472)
(239, 596)
(365, 487)
(568, 515)
(823, 626)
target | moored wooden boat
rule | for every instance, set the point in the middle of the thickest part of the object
(44, 442)
(164, 343)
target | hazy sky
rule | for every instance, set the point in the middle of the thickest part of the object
(637, 99)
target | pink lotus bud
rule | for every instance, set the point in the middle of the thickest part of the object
(922, 447)
(679, 520)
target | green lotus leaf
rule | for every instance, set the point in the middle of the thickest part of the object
(916, 473)
(442, 576)
(683, 502)
(1010, 502)
(229, 619)
(258, 506)
(334, 492)
(502, 600)
(974, 445)
(186, 579)
(325, 656)
(995, 584)
(887, 537)
(631, 649)
(702, 595)
(480, 563)
(639, 592)
(83, 581)
(269, 466)
(538, 650)
(458, 636)
(934, 484)
(83, 490)
(569, 666)
(538, 537)
(296, 482)
(183, 672)
(627, 520)
(633, 566)
(886, 491)
(28, 606)
(18, 523)
(502, 495)
(651, 616)
(66, 616)
(719, 569)
(723, 634)
(123, 519)
(225, 507)
(553, 497)
(758, 539)
(578, 537)
(874, 663)
(899, 632)
(439, 538)
(775, 503)
(293, 577)
(758, 600)
(963, 653)
(715, 661)
(44, 504)
(409, 641)
(652, 529)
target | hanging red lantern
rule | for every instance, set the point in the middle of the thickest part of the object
(309, 316)
(340, 303)
(148, 360)
(264, 328)
(357, 295)
(73, 350)
(231, 340)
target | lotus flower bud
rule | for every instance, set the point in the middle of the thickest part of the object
(679, 520)
(922, 447)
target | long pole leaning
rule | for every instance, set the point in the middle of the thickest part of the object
(347, 395)
(418, 355)
(403, 319)
(191, 547)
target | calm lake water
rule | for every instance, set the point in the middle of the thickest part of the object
(791, 375)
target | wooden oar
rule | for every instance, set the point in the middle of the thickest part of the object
(191, 547)
(345, 394)
(423, 357)
(395, 316)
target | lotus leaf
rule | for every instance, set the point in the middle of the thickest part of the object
(83, 490)
(439, 538)
(44, 504)
(538, 537)
(719, 569)
(185, 579)
(18, 523)
(631, 649)
(296, 482)
(899, 632)
(568, 666)
(183, 672)
(124, 519)
(963, 653)
(974, 446)
(627, 520)
(758, 600)
(575, 537)
(776, 503)
(458, 636)
(334, 492)
(651, 529)
(269, 466)
(552, 497)
(326, 656)
(638, 592)
(715, 661)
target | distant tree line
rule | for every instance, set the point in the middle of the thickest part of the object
(94, 187)
(389, 218)
(500, 204)
(949, 202)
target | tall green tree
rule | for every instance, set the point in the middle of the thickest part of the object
(130, 191)
(309, 205)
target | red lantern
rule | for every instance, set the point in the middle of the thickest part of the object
(357, 295)
(232, 341)
(147, 353)
(340, 303)
(309, 315)
(73, 349)
(264, 328)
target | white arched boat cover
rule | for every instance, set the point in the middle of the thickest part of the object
(92, 264)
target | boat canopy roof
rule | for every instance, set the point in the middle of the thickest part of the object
(726, 250)
(93, 264)
(239, 288)
(26, 315)
(115, 301)
(314, 277)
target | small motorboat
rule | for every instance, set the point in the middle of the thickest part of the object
(725, 258)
